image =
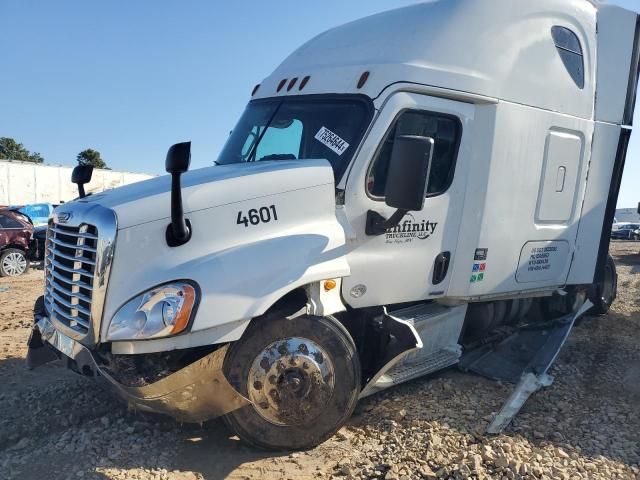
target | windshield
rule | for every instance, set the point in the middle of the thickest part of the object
(291, 128)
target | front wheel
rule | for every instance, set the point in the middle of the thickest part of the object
(13, 262)
(302, 376)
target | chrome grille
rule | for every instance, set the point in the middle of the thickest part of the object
(70, 262)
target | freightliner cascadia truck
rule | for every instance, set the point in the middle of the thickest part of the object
(426, 187)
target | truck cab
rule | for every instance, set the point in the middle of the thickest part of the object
(397, 189)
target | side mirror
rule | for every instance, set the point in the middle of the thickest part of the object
(177, 162)
(178, 158)
(408, 174)
(81, 175)
(407, 180)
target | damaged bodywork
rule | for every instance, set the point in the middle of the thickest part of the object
(523, 358)
(197, 392)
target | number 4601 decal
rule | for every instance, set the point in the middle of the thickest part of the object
(257, 215)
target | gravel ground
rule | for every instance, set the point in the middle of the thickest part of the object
(57, 425)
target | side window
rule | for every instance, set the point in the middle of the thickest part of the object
(444, 129)
(7, 222)
(281, 142)
(570, 52)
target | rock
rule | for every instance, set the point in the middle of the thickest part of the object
(488, 455)
(427, 473)
(476, 463)
(347, 470)
(523, 469)
(464, 470)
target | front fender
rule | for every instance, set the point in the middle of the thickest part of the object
(245, 281)
(241, 271)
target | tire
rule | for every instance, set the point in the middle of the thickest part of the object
(302, 376)
(500, 313)
(559, 305)
(603, 293)
(478, 321)
(13, 263)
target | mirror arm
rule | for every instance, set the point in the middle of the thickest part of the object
(179, 230)
(377, 224)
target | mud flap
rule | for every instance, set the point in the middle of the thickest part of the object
(523, 358)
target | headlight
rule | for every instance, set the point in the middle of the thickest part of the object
(159, 312)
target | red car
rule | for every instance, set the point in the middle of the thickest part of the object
(16, 236)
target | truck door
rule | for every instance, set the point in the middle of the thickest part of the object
(413, 260)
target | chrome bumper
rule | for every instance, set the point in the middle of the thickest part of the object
(196, 393)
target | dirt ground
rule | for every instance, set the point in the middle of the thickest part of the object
(57, 425)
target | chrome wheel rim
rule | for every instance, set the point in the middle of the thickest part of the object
(14, 264)
(291, 381)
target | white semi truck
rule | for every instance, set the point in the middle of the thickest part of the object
(400, 195)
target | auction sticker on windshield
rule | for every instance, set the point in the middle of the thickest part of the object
(331, 140)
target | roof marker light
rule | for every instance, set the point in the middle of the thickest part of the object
(303, 82)
(281, 84)
(255, 89)
(363, 79)
(292, 83)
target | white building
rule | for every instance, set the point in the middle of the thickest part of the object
(27, 182)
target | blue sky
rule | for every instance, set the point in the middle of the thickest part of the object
(131, 78)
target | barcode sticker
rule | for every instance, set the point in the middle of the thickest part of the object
(331, 140)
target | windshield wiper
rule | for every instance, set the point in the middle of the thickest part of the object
(278, 156)
(254, 147)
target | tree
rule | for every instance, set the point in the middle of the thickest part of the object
(12, 150)
(91, 157)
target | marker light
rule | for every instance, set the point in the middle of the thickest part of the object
(303, 82)
(159, 312)
(363, 79)
(329, 285)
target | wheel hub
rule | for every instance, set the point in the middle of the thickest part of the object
(290, 381)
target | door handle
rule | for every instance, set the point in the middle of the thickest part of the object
(440, 267)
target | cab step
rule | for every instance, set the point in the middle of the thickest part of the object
(408, 371)
(433, 331)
